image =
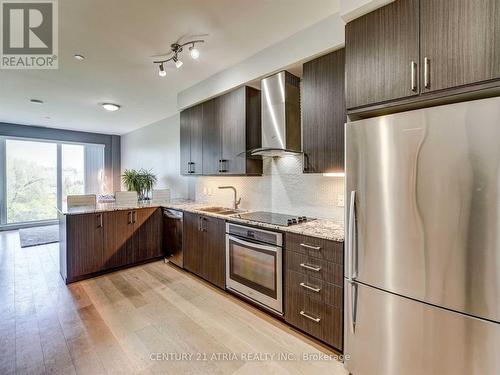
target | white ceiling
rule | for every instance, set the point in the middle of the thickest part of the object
(119, 36)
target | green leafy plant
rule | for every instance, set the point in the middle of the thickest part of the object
(142, 181)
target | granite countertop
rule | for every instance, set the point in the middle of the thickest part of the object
(322, 228)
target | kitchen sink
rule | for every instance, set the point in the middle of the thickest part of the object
(214, 209)
(220, 210)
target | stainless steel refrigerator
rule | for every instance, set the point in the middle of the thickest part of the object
(422, 276)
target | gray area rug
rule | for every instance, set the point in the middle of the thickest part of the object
(39, 235)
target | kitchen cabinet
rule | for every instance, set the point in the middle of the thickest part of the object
(191, 140)
(323, 113)
(314, 287)
(204, 247)
(230, 125)
(117, 237)
(98, 242)
(84, 236)
(415, 53)
(461, 41)
(147, 239)
(380, 49)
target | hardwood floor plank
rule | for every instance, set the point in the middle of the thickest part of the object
(117, 323)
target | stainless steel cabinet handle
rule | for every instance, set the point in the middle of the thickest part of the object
(354, 304)
(129, 217)
(317, 320)
(99, 225)
(203, 227)
(310, 246)
(199, 223)
(427, 81)
(310, 267)
(304, 285)
(414, 76)
(134, 216)
(352, 245)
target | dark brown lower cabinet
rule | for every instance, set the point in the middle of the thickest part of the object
(99, 242)
(84, 238)
(147, 223)
(314, 287)
(203, 247)
(119, 231)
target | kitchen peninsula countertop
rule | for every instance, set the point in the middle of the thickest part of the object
(329, 229)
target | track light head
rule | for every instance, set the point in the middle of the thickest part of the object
(195, 53)
(178, 63)
(162, 71)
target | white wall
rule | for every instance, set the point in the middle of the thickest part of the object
(157, 147)
(320, 38)
(351, 9)
(283, 188)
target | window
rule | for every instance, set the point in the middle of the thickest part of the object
(36, 176)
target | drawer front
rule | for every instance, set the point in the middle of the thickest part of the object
(315, 267)
(315, 247)
(318, 319)
(314, 288)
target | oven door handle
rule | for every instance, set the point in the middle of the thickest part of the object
(253, 244)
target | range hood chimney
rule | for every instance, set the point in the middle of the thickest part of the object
(281, 133)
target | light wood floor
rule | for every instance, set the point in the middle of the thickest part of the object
(113, 324)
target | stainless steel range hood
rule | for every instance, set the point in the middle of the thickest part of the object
(281, 133)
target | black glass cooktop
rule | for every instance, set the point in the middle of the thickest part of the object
(274, 218)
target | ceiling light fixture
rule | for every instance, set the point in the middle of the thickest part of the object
(36, 101)
(174, 55)
(110, 107)
(178, 63)
(79, 57)
(162, 71)
(195, 53)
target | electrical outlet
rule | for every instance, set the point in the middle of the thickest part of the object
(340, 200)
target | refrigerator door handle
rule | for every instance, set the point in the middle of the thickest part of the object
(352, 243)
(354, 304)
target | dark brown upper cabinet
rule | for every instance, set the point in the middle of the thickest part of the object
(324, 113)
(231, 125)
(191, 140)
(382, 53)
(460, 42)
(415, 53)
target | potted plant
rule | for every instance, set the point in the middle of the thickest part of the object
(142, 181)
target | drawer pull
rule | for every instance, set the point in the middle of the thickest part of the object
(309, 267)
(317, 320)
(304, 285)
(310, 246)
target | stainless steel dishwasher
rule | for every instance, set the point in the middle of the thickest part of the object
(172, 236)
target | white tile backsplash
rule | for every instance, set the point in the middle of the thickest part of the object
(282, 188)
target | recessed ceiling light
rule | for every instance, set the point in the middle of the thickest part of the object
(79, 57)
(36, 101)
(110, 107)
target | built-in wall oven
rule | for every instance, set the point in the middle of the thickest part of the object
(254, 265)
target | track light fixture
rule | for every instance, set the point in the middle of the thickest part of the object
(175, 53)
(162, 71)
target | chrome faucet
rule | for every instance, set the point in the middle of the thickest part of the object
(236, 202)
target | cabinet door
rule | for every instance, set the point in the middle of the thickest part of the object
(147, 235)
(196, 122)
(324, 113)
(185, 141)
(192, 243)
(461, 40)
(85, 244)
(211, 138)
(380, 49)
(232, 116)
(118, 230)
(214, 260)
